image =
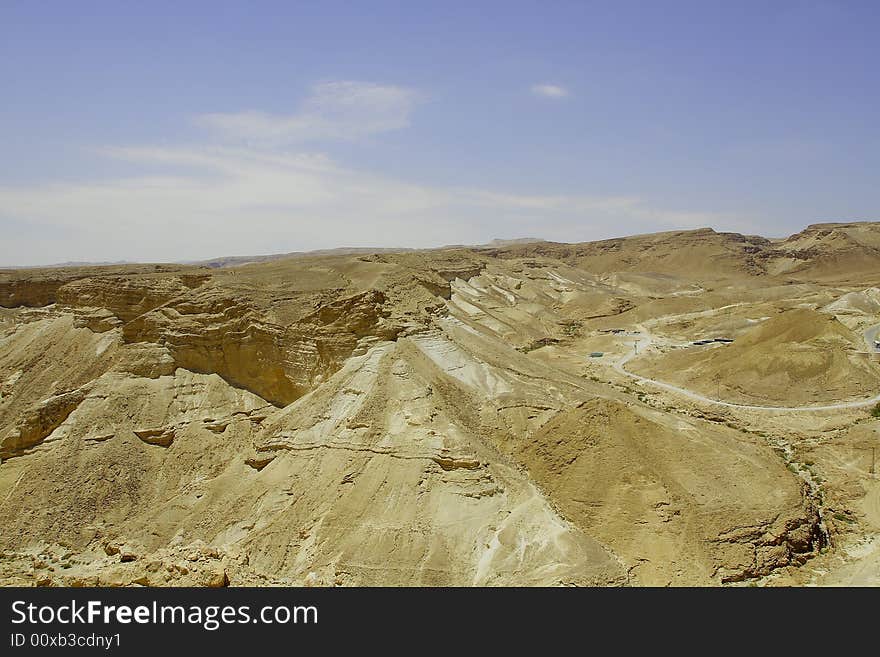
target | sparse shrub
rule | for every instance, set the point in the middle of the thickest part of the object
(875, 412)
(537, 344)
(571, 328)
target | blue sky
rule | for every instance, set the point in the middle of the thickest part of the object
(184, 130)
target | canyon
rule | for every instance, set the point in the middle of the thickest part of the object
(504, 415)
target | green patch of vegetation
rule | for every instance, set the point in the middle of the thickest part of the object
(875, 412)
(843, 517)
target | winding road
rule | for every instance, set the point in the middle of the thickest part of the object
(869, 336)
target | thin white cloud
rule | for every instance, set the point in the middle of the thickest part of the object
(341, 110)
(550, 90)
(247, 201)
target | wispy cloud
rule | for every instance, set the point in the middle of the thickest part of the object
(343, 110)
(258, 197)
(550, 90)
(246, 201)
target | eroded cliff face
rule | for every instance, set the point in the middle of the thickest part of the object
(34, 288)
(377, 420)
(214, 332)
(125, 297)
(23, 292)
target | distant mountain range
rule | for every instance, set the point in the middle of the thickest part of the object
(232, 261)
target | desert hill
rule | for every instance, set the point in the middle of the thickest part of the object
(846, 252)
(415, 418)
(864, 302)
(799, 355)
(697, 253)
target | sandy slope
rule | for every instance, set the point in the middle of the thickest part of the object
(801, 357)
(424, 418)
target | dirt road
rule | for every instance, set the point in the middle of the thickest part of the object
(643, 342)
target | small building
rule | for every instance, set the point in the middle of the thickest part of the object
(597, 354)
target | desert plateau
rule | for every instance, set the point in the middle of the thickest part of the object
(685, 408)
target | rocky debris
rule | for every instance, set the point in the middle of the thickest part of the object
(195, 564)
(128, 553)
(756, 551)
